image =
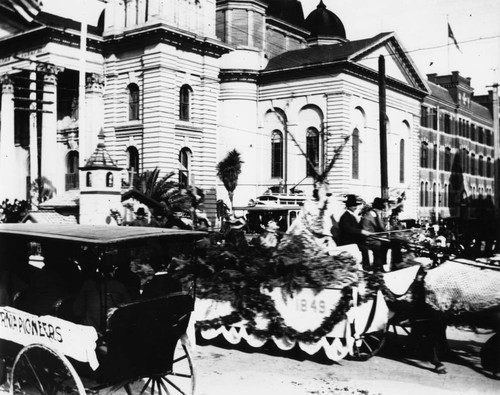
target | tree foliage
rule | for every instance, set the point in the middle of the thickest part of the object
(228, 171)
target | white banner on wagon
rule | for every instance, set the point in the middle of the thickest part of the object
(73, 340)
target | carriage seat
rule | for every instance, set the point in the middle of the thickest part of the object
(141, 336)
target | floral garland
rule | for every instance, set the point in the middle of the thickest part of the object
(238, 276)
(276, 327)
(252, 303)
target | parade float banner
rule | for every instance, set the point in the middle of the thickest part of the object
(73, 340)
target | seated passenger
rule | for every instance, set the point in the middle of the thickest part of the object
(156, 281)
(97, 296)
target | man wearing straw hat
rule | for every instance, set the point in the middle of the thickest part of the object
(373, 223)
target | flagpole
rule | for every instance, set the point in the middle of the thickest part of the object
(448, 45)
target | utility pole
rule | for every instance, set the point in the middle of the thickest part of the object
(496, 169)
(384, 182)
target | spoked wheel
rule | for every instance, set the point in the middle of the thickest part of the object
(38, 370)
(180, 381)
(368, 345)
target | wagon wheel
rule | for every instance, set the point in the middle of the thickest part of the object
(38, 370)
(179, 381)
(368, 345)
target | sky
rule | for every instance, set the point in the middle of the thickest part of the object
(421, 27)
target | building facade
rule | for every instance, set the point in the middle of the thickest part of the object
(457, 149)
(176, 84)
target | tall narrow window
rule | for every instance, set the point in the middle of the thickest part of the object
(402, 161)
(133, 102)
(132, 164)
(355, 154)
(88, 178)
(277, 154)
(424, 116)
(424, 155)
(109, 180)
(312, 151)
(422, 194)
(185, 103)
(434, 195)
(447, 159)
(72, 181)
(185, 156)
(489, 168)
(434, 156)
(427, 192)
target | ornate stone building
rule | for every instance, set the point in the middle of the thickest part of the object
(176, 84)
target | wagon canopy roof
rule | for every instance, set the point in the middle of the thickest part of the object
(94, 234)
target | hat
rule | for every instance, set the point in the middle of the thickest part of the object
(378, 203)
(351, 200)
(140, 212)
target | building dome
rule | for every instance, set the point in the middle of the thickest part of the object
(287, 10)
(323, 23)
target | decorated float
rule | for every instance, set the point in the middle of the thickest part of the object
(303, 291)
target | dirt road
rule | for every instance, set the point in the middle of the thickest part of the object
(223, 371)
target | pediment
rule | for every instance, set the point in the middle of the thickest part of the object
(398, 63)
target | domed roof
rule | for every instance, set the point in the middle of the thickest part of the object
(324, 23)
(288, 10)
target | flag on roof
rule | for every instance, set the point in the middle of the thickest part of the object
(452, 36)
(28, 9)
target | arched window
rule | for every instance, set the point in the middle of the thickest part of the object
(72, 181)
(132, 163)
(434, 194)
(402, 160)
(355, 154)
(277, 154)
(424, 155)
(185, 157)
(312, 151)
(489, 168)
(133, 102)
(109, 180)
(422, 194)
(88, 179)
(185, 103)
(480, 166)
(446, 194)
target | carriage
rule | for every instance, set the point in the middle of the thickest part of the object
(139, 346)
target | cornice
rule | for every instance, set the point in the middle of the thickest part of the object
(43, 35)
(161, 33)
(239, 75)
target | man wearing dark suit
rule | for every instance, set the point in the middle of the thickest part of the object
(373, 222)
(350, 231)
(349, 226)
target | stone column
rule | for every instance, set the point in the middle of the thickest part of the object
(49, 158)
(94, 89)
(7, 149)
